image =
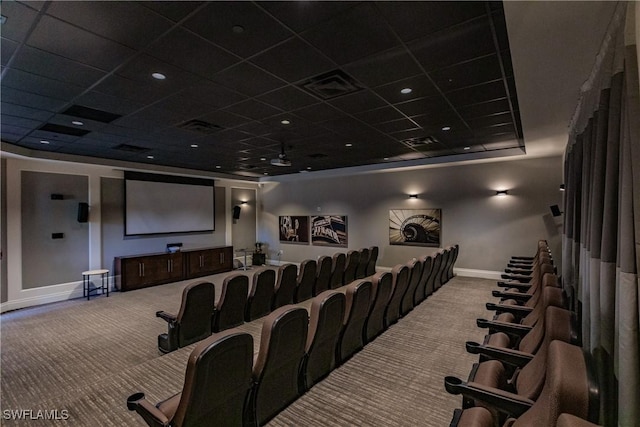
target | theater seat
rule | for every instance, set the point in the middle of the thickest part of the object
(216, 384)
(361, 270)
(415, 274)
(381, 287)
(325, 323)
(570, 387)
(323, 275)
(193, 321)
(306, 279)
(373, 259)
(337, 270)
(353, 260)
(286, 283)
(261, 296)
(358, 298)
(229, 311)
(278, 364)
(400, 274)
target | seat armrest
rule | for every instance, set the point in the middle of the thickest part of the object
(518, 270)
(518, 296)
(153, 416)
(500, 400)
(516, 277)
(516, 310)
(506, 355)
(506, 327)
(516, 285)
(523, 258)
(168, 317)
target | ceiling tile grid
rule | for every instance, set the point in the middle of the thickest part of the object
(337, 84)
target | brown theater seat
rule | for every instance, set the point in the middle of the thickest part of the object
(216, 384)
(229, 311)
(415, 274)
(373, 259)
(421, 291)
(193, 321)
(358, 299)
(400, 274)
(381, 287)
(286, 284)
(261, 295)
(353, 260)
(278, 364)
(325, 324)
(323, 275)
(337, 270)
(361, 270)
(305, 281)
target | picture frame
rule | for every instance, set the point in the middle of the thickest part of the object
(415, 227)
(294, 229)
(329, 230)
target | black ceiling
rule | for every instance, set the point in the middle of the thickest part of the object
(236, 70)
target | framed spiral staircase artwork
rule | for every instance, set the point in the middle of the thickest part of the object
(415, 227)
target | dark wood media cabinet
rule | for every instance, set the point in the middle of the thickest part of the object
(141, 271)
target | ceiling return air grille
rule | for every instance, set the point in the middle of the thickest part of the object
(199, 126)
(331, 85)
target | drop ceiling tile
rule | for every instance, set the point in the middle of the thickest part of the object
(24, 112)
(396, 126)
(379, 115)
(20, 17)
(293, 60)
(213, 94)
(354, 34)
(217, 20)
(192, 53)
(247, 79)
(427, 17)
(475, 94)
(252, 109)
(142, 66)
(128, 23)
(173, 10)
(468, 73)
(497, 106)
(40, 85)
(19, 97)
(7, 49)
(111, 104)
(386, 67)
(493, 120)
(423, 106)
(78, 45)
(362, 100)
(449, 47)
(318, 113)
(120, 87)
(12, 133)
(288, 98)
(305, 14)
(496, 131)
(65, 120)
(421, 87)
(223, 119)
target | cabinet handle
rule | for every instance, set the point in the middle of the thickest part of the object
(172, 266)
(142, 264)
(169, 266)
(201, 261)
(221, 257)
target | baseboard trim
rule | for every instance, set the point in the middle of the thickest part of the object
(481, 274)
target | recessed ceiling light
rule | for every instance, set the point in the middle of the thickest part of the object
(194, 145)
(386, 158)
(237, 29)
(149, 157)
(467, 148)
(348, 144)
(285, 122)
(77, 123)
(44, 141)
(308, 167)
(218, 166)
(446, 128)
(265, 173)
(406, 90)
(158, 76)
(263, 158)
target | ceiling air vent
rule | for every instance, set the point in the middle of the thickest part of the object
(199, 126)
(65, 130)
(90, 114)
(331, 85)
(420, 141)
(131, 148)
(318, 155)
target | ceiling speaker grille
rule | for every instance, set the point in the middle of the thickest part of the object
(131, 148)
(199, 126)
(65, 130)
(91, 114)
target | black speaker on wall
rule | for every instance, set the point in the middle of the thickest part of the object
(83, 212)
(555, 210)
(236, 212)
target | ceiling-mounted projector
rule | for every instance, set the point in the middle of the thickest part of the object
(282, 158)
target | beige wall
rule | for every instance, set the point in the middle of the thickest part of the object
(488, 228)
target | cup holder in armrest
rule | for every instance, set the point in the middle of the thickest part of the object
(132, 401)
(472, 347)
(453, 385)
(482, 323)
(491, 306)
(496, 294)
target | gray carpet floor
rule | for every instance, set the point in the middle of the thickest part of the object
(87, 357)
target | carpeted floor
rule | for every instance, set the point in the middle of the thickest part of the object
(86, 357)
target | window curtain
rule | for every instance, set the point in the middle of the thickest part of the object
(601, 237)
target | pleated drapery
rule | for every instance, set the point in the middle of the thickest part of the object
(601, 237)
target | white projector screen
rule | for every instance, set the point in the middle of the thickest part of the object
(162, 204)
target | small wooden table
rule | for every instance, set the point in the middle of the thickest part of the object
(86, 283)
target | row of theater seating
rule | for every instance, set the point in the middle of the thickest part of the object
(531, 367)
(199, 316)
(226, 385)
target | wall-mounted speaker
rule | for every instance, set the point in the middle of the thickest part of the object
(83, 212)
(236, 212)
(555, 210)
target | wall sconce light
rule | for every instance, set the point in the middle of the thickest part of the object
(561, 187)
(502, 192)
(413, 196)
(243, 203)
